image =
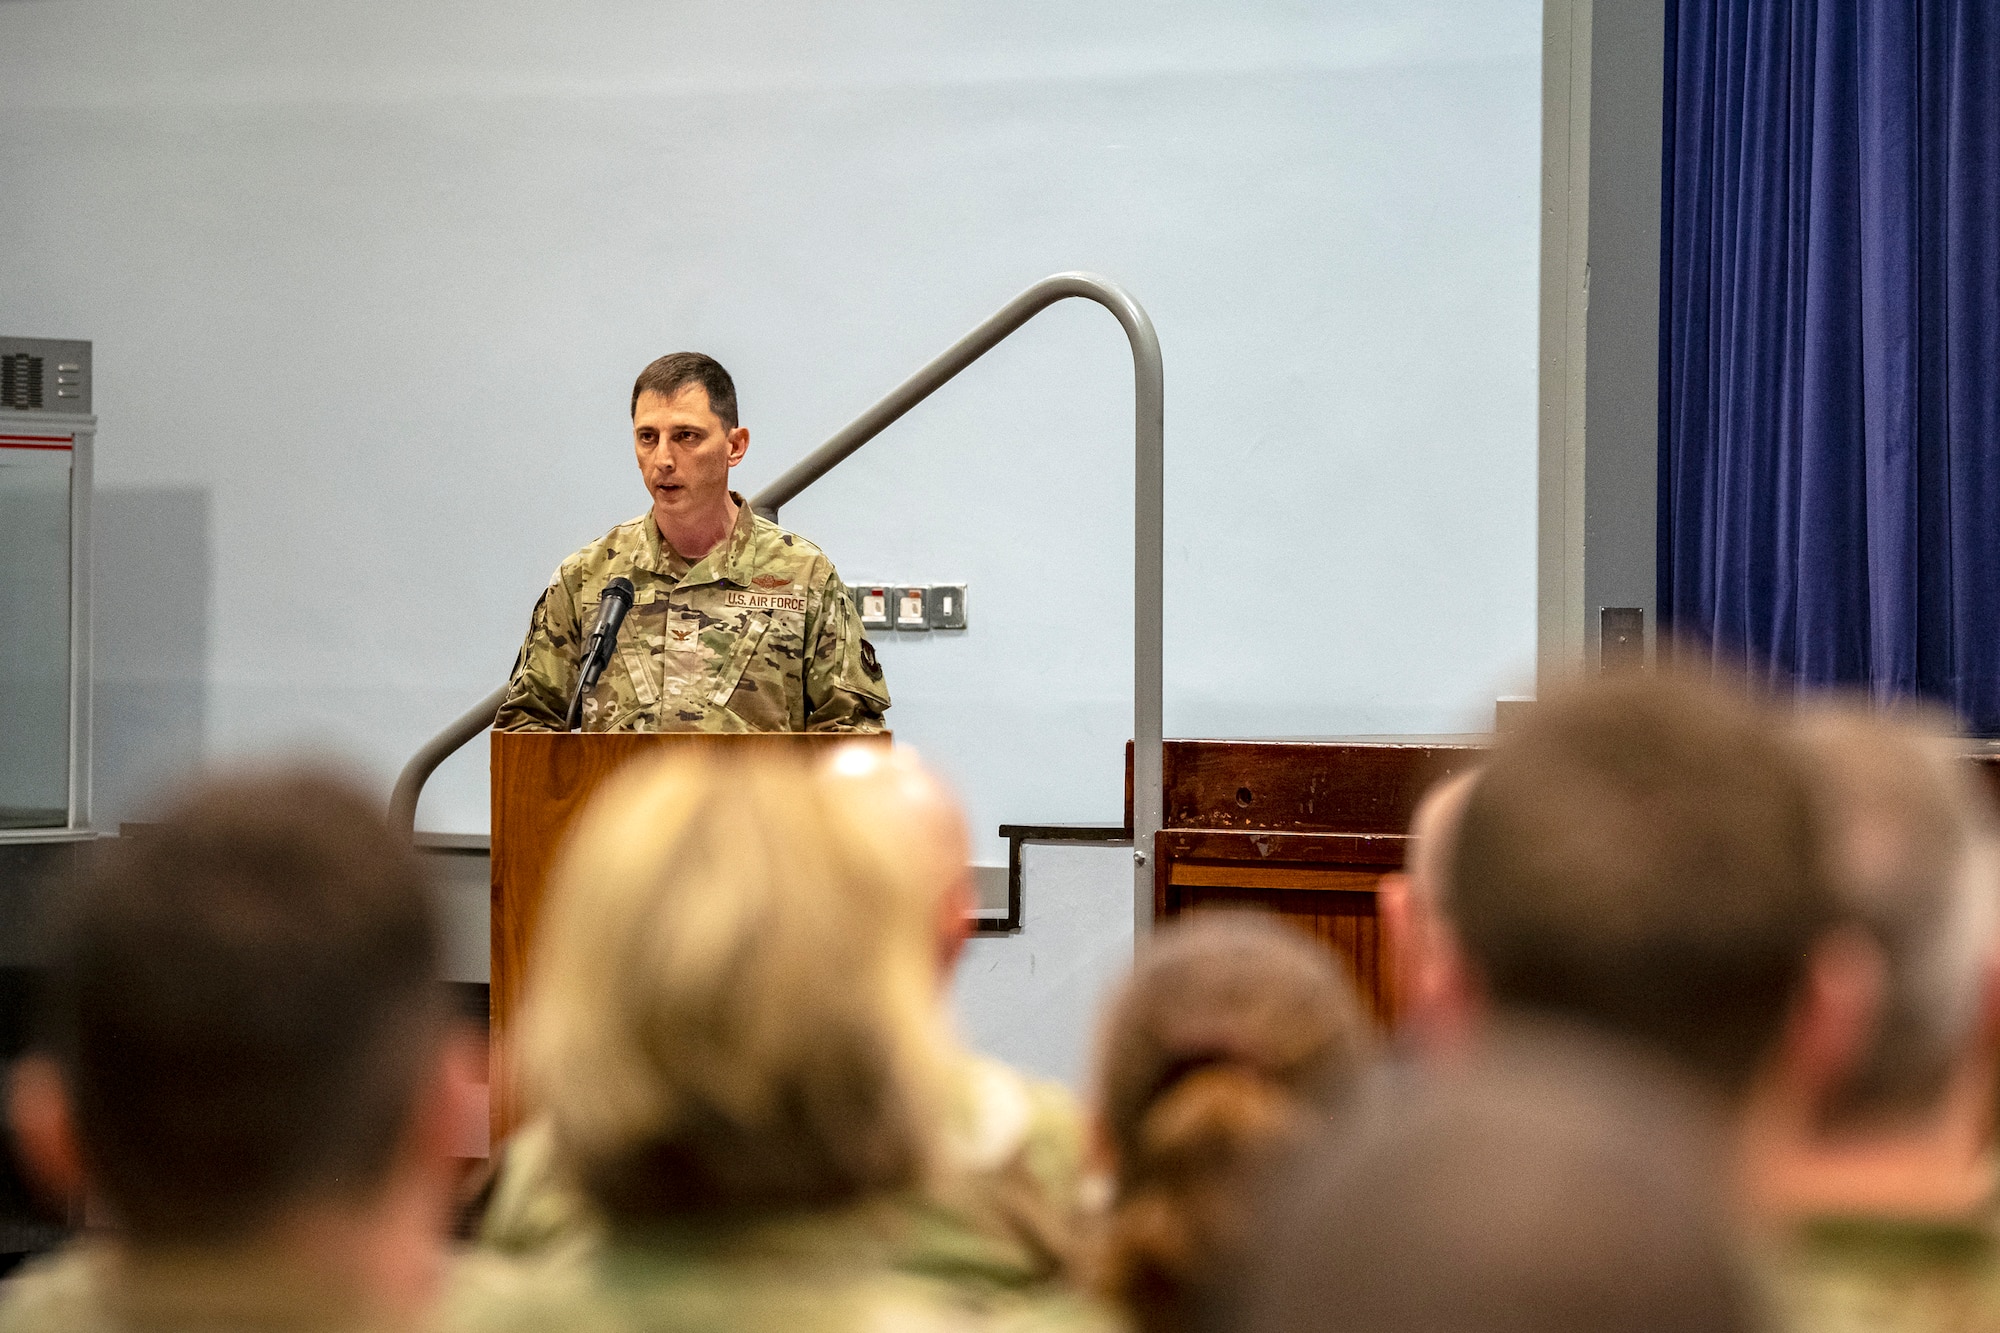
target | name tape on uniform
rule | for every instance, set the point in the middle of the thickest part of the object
(767, 601)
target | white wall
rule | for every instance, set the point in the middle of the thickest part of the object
(369, 281)
(1032, 999)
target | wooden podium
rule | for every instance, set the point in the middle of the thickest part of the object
(541, 781)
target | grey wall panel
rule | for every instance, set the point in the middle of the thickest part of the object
(1622, 399)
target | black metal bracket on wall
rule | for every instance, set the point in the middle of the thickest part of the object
(1019, 835)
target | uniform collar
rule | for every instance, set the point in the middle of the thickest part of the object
(1943, 1242)
(841, 1237)
(719, 565)
(223, 1287)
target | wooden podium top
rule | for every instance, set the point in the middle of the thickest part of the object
(542, 780)
(1335, 784)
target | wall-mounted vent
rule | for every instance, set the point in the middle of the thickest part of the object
(44, 375)
(21, 382)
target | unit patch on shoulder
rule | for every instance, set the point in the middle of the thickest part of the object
(767, 601)
(869, 662)
(770, 581)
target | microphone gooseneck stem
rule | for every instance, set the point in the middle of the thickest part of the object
(594, 662)
(612, 606)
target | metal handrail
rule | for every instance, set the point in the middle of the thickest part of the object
(410, 782)
(1148, 524)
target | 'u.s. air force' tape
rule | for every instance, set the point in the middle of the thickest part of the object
(766, 601)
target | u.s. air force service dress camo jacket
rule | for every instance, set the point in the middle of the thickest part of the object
(758, 635)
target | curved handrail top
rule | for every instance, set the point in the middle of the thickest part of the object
(944, 367)
(410, 782)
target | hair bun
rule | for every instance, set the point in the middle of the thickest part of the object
(1182, 1209)
(1213, 1119)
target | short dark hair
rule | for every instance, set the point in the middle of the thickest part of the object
(1641, 853)
(242, 1000)
(674, 372)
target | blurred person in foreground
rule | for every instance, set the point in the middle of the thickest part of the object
(1868, 1148)
(1562, 1189)
(1628, 905)
(247, 1061)
(753, 1114)
(1233, 1040)
(1438, 1000)
(1639, 860)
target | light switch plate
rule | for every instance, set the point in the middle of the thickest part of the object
(911, 606)
(1621, 644)
(873, 603)
(946, 606)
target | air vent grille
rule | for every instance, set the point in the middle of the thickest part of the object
(44, 375)
(21, 382)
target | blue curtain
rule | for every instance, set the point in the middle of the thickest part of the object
(1830, 343)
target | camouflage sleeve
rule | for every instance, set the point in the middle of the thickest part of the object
(844, 686)
(545, 671)
(533, 1206)
(62, 1289)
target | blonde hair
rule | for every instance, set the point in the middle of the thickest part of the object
(734, 1004)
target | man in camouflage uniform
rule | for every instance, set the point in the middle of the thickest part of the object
(1868, 1153)
(736, 624)
(247, 1062)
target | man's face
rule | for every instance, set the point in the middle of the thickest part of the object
(684, 453)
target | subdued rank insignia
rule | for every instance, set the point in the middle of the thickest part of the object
(869, 661)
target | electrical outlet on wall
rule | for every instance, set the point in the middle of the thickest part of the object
(873, 605)
(909, 606)
(912, 606)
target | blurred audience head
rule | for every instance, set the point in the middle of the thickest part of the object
(1233, 1038)
(1557, 1189)
(1642, 853)
(905, 803)
(1898, 1037)
(244, 1020)
(735, 1000)
(1913, 859)
(1438, 997)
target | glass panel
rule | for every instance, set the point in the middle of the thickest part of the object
(34, 641)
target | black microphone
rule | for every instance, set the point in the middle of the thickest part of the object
(612, 604)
